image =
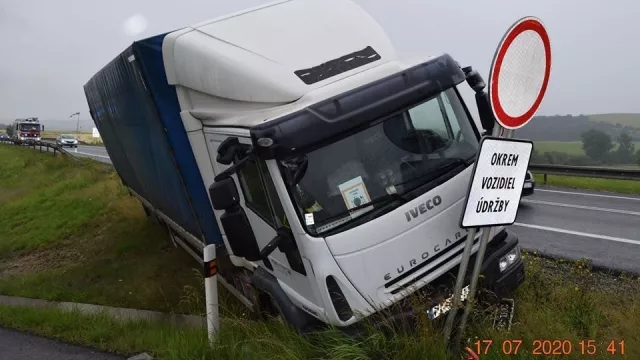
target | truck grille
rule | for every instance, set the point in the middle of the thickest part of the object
(447, 254)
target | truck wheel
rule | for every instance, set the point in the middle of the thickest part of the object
(298, 319)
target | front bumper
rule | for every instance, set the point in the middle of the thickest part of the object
(495, 284)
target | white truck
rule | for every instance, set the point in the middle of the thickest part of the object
(330, 173)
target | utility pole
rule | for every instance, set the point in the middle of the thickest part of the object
(77, 122)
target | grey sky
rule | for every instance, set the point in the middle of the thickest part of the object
(51, 48)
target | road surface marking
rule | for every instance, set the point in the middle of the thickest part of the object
(627, 212)
(586, 194)
(579, 233)
(88, 154)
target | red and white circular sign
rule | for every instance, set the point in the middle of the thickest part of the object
(520, 73)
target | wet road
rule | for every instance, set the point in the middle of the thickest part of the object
(15, 345)
(98, 153)
(574, 224)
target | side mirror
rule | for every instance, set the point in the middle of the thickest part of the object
(476, 82)
(224, 194)
(484, 109)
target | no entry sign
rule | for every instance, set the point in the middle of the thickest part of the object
(520, 73)
(496, 185)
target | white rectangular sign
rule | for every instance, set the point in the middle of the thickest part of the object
(497, 181)
(96, 134)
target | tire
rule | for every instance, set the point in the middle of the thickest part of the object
(299, 320)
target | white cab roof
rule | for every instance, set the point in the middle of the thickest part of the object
(251, 56)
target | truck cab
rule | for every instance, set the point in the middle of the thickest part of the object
(336, 170)
(27, 129)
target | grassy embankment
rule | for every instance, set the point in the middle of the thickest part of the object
(71, 233)
(85, 137)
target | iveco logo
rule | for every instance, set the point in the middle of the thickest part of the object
(423, 208)
(424, 256)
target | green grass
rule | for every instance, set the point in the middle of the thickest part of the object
(71, 232)
(632, 120)
(559, 301)
(568, 147)
(574, 182)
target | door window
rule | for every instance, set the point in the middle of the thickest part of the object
(260, 193)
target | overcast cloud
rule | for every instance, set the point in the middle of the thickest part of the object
(51, 48)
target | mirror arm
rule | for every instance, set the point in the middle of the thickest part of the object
(271, 246)
(281, 241)
(235, 167)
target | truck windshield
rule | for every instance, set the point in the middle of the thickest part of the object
(388, 163)
(29, 127)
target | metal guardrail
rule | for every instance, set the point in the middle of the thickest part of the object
(545, 169)
(37, 144)
(585, 171)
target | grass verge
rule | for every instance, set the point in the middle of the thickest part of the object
(575, 182)
(560, 301)
(70, 232)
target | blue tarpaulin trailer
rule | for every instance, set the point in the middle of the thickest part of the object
(137, 114)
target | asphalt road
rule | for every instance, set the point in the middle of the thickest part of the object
(15, 345)
(574, 224)
(98, 153)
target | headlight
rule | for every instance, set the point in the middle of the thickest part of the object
(509, 259)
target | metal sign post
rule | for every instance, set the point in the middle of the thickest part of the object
(518, 80)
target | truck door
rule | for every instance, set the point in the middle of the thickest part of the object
(265, 213)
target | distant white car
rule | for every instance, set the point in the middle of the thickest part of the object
(67, 140)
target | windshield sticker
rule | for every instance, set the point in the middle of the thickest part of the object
(354, 193)
(308, 219)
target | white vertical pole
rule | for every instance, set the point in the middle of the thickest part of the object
(211, 292)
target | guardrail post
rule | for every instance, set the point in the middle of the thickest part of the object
(545, 179)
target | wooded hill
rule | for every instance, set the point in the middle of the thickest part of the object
(570, 127)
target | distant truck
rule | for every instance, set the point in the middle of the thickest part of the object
(27, 129)
(330, 174)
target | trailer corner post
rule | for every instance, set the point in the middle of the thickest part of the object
(211, 292)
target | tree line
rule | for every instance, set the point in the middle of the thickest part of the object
(599, 149)
(571, 127)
